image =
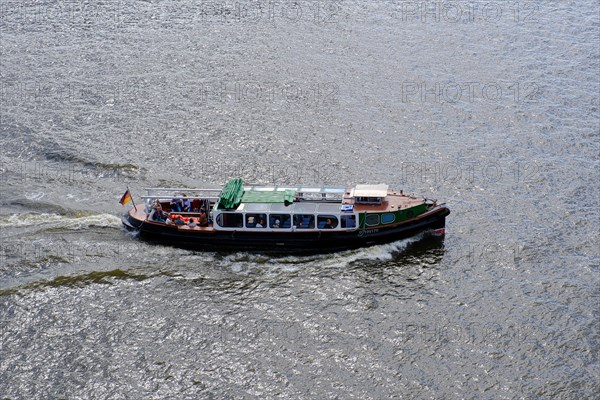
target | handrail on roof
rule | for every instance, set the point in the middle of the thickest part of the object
(299, 188)
(303, 193)
(179, 197)
(184, 189)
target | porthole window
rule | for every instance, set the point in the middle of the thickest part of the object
(372, 219)
(388, 218)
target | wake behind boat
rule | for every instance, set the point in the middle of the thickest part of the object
(282, 218)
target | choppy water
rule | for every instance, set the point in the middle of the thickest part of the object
(490, 106)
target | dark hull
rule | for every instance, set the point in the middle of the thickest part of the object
(284, 242)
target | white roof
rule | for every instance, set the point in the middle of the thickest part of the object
(370, 190)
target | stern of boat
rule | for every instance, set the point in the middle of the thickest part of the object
(134, 219)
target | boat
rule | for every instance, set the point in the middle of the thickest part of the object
(283, 219)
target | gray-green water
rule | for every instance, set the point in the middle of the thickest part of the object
(489, 106)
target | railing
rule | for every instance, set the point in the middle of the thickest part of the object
(305, 193)
(168, 196)
(211, 194)
(166, 192)
(299, 188)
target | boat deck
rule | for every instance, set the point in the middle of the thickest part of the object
(394, 201)
(140, 215)
(208, 228)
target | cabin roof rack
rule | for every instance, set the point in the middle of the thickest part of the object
(369, 191)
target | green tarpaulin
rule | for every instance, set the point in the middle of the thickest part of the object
(233, 194)
(281, 196)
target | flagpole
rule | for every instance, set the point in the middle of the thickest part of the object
(133, 202)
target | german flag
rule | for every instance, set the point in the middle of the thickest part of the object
(126, 198)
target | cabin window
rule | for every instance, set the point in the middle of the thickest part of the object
(256, 220)
(230, 220)
(304, 221)
(388, 218)
(327, 221)
(368, 200)
(348, 221)
(280, 221)
(372, 219)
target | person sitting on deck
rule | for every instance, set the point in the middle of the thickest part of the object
(192, 223)
(203, 219)
(175, 205)
(186, 205)
(157, 214)
(179, 221)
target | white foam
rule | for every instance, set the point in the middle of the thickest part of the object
(35, 196)
(243, 262)
(60, 221)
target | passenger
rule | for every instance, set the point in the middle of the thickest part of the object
(178, 221)
(157, 214)
(203, 219)
(186, 205)
(162, 216)
(276, 224)
(196, 205)
(175, 204)
(168, 221)
(261, 223)
(152, 213)
(192, 223)
(328, 224)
